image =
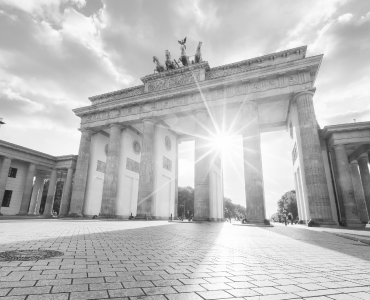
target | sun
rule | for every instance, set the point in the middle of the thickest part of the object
(222, 143)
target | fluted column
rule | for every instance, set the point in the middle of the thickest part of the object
(359, 192)
(48, 211)
(202, 159)
(365, 179)
(108, 204)
(253, 175)
(4, 178)
(176, 178)
(35, 192)
(313, 163)
(27, 190)
(66, 196)
(145, 204)
(79, 185)
(39, 197)
(352, 218)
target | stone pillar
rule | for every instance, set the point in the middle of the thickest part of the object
(365, 178)
(359, 192)
(39, 197)
(145, 203)
(27, 190)
(352, 218)
(313, 163)
(35, 192)
(108, 204)
(176, 179)
(4, 178)
(66, 196)
(202, 159)
(48, 211)
(79, 185)
(253, 174)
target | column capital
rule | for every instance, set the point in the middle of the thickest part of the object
(363, 158)
(149, 120)
(116, 125)
(201, 111)
(305, 92)
(86, 130)
(339, 146)
(248, 103)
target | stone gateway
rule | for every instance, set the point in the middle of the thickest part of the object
(127, 163)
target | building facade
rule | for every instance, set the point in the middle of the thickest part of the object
(23, 173)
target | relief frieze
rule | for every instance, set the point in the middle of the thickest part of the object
(167, 83)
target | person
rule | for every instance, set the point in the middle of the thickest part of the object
(296, 220)
(290, 218)
(284, 218)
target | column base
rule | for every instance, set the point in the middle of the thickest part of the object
(22, 214)
(143, 217)
(202, 219)
(48, 216)
(31, 214)
(107, 217)
(74, 215)
(354, 224)
(321, 222)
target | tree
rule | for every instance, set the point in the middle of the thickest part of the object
(185, 197)
(288, 204)
(233, 210)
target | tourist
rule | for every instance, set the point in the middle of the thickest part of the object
(296, 220)
(290, 218)
(284, 218)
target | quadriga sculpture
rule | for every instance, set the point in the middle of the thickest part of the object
(198, 54)
(159, 67)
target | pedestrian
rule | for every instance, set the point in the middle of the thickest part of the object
(290, 218)
(284, 219)
(297, 220)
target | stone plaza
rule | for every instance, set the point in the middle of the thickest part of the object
(111, 259)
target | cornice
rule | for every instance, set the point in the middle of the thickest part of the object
(328, 130)
(27, 150)
(256, 74)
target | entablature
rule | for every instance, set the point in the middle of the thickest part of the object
(293, 72)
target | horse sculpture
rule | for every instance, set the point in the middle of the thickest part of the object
(183, 58)
(169, 63)
(198, 54)
(159, 68)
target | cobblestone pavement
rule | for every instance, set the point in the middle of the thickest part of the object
(162, 260)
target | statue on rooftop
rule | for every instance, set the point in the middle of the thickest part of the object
(159, 68)
(170, 65)
(198, 54)
(183, 58)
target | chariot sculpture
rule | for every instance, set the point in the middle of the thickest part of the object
(184, 59)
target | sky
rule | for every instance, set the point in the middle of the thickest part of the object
(54, 54)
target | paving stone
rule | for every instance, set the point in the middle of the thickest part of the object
(189, 288)
(88, 295)
(167, 282)
(70, 288)
(125, 292)
(184, 296)
(137, 284)
(4, 292)
(54, 282)
(215, 295)
(159, 290)
(63, 296)
(30, 290)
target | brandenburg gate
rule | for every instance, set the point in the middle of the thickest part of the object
(128, 156)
